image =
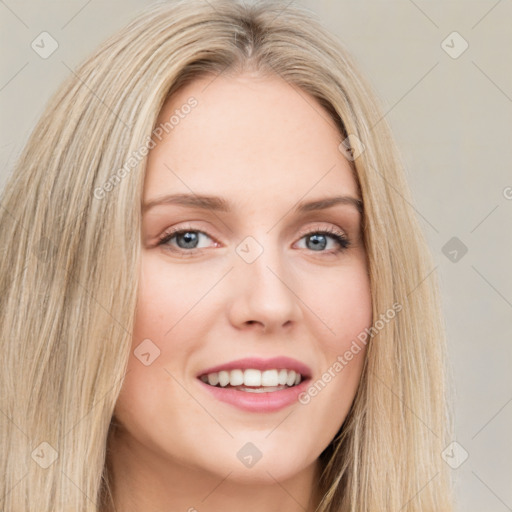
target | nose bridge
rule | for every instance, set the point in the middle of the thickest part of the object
(263, 283)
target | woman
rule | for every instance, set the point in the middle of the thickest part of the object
(215, 293)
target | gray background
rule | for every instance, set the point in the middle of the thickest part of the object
(452, 120)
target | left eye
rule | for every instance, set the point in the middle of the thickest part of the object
(318, 240)
(187, 240)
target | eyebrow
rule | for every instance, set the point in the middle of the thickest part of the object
(218, 204)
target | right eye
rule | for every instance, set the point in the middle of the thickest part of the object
(183, 240)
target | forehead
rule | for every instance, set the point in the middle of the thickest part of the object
(247, 136)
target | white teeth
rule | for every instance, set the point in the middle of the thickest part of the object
(253, 380)
(223, 378)
(213, 379)
(290, 381)
(262, 389)
(282, 377)
(236, 377)
(269, 378)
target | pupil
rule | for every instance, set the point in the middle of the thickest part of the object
(316, 242)
(189, 238)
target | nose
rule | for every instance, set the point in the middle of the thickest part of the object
(264, 293)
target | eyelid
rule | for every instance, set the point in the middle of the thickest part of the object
(170, 232)
(318, 227)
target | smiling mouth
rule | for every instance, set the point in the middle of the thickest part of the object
(252, 380)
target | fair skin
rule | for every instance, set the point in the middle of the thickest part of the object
(258, 144)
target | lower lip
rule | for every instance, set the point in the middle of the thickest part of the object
(257, 402)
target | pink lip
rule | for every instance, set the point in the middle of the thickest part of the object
(259, 402)
(261, 364)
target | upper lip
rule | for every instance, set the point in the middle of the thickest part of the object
(261, 364)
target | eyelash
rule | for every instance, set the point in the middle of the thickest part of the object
(339, 237)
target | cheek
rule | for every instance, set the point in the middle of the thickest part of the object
(156, 343)
(166, 295)
(346, 350)
(343, 305)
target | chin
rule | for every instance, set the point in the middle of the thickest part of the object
(259, 461)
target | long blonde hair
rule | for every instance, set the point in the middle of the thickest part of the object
(68, 272)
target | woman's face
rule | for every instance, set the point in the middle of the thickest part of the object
(256, 287)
